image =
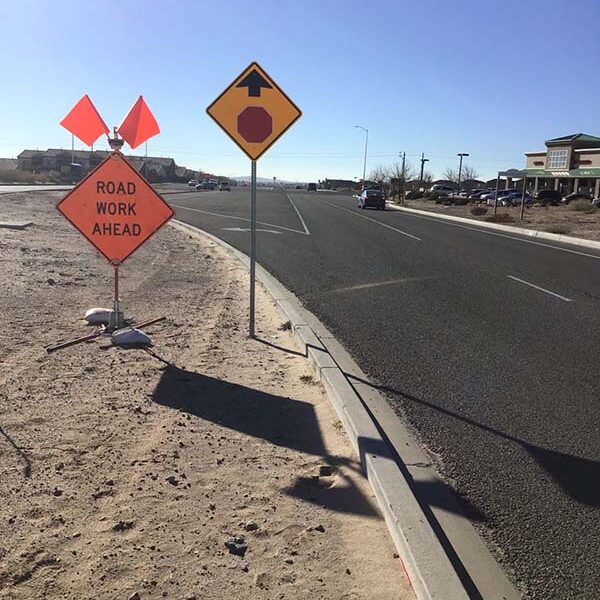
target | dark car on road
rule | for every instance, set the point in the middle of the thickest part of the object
(373, 198)
(312, 187)
(548, 197)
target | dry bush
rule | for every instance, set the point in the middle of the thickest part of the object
(500, 218)
(479, 210)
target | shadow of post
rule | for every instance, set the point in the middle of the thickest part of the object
(281, 421)
(22, 455)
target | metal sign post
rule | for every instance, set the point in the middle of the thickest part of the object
(254, 112)
(252, 248)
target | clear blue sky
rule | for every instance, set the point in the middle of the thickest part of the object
(494, 79)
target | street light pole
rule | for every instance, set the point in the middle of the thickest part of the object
(365, 159)
(461, 154)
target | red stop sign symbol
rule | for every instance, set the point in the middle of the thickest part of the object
(255, 124)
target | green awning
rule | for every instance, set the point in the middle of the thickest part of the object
(563, 174)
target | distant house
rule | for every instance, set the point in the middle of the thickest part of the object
(8, 164)
(336, 184)
(79, 162)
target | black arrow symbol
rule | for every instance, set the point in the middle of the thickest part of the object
(254, 81)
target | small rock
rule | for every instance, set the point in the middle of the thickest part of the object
(325, 470)
(320, 528)
(135, 596)
(122, 526)
(57, 492)
(173, 480)
(191, 596)
(212, 506)
(289, 561)
(251, 526)
(348, 571)
(237, 545)
(50, 281)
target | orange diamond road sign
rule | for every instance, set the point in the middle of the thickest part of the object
(254, 111)
(115, 208)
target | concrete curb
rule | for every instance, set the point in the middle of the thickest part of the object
(534, 233)
(429, 569)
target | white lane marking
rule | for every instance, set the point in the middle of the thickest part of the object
(299, 215)
(537, 287)
(206, 212)
(246, 229)
(504, 235)
(352, 212)
(364, 286)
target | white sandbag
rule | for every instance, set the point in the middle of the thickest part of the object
(131, 337)
(98, 316)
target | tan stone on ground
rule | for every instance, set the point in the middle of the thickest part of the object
(553, 219)
(123, 471)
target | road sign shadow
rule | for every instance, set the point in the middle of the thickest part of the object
(578, 477)
(282, 421)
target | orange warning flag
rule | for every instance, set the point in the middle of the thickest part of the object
(84, 121)
(139, 125)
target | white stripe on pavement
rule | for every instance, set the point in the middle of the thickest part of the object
(503, 235)
(206, 212)
(299, 215)
(353, 212)
(537, 287)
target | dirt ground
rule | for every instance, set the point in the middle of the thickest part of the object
(554, 219)
(211, 467)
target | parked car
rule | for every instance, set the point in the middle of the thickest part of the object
(371, 198)
(193, 182)
(490, 197)
(576, 196)
(514, 199)
(476, 194)
(224, 187)
(312, 187)
(548, 197)
(596, 202)
(442, 190)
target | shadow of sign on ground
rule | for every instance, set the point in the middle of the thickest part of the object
(282, 421)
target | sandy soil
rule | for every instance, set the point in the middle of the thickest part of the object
(555, 219)
(124, 472)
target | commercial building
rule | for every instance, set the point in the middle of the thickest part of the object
(569, 164)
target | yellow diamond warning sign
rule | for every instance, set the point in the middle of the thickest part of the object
(254, 111)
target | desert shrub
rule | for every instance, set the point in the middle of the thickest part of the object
(584, 206)
(431, 196)
(479, 210)
(500, 218)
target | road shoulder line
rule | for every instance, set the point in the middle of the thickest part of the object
(534, 233)
(299, 215)
(429, 569)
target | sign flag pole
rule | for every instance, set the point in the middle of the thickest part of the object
(252, 247)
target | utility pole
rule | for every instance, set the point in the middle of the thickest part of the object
(402, 185)
(423, 161)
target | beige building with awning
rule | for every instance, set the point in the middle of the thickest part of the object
(569, 164)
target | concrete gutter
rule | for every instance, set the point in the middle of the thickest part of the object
(427, 565)
(533, 233)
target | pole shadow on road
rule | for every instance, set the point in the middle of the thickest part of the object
(282, 421)
(578, 477)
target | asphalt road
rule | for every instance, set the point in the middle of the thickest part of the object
(487, 343)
